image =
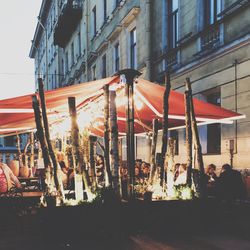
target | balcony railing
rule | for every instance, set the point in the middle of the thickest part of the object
(210, 37)
(70, 16)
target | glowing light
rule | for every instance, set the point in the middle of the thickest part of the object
(186, 193)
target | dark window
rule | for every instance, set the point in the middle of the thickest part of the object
(79, 44)
(9, 141)
(94, 21)
(211, 9)
(172, 23)
(133, 54)
(174, 135)
(104, 66)
(104, 11)
(66, 62)
(72, 54)
(117, 57)
(94, 72)
(213, 96)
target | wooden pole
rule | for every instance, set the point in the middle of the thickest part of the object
(153, 150)
(165, 125)
(18, 145)
(114, 140)
(195, 129)
(81, 167)
(32, 150)
(107, 134)
(47, 135)
(42, 140)
(189, 141)
(92, 155)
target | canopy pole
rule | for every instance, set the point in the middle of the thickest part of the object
(92, 155)
(189, 141)
(153, 150)
(107, 134)
(47, 136)
(32, 152)
(42, 140)
(81, 167)
(165, 125)
(130, 75)
(114, 141)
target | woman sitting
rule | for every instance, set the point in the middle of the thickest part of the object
(7, 179)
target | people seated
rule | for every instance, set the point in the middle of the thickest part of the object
(180, 176)
(211, 180)
(230, 185)
(67, 173)
(99, 171)
(7, 179)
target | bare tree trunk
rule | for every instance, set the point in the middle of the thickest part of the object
(107, 134)
(165, 125)
(92, 155)
(18, 145)
(43, 143)
(59, 186)
(189, 141)
(32, 150)
(195, 130)
(114, 141)
(153, 150)
(81, 167)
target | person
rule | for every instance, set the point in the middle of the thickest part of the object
(146, 171)
(230, 185)
(99, 169)
(180, 177)
(211, 179)
(124, 180)
(67, 173)
(137, 174)
(7, 179)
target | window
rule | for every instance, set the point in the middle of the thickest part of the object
(9, 141)
(133, 54)
(104, 11)
(211, 9)
(63, 68)
(79, 44)
(104, 66)
(117, 3)
(172, 23)
(94, 72)
(211, 134)
(66, 62)
(117, 57)
(94, 21)
(72, 54)
(55, 80)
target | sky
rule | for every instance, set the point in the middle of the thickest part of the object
(18, 20)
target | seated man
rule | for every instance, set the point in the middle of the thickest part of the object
(7, 179)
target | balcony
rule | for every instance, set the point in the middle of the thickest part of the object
(210, 37)
(70, 16)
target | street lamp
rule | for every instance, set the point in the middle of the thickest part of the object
(46, 50)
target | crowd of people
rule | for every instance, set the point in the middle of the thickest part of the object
(227, 185)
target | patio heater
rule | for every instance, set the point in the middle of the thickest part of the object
(130, 75)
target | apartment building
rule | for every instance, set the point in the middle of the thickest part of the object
(206, 40)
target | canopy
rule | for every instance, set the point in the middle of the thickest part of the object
(16, 114)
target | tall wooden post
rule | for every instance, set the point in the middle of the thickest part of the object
(47, 135)
(32, 151)
(107, 134)
(130, 75)
(18, 145)
(153, 150)
(92, 154)
(165, 125)
(114, 140)
(81, 166)
(195, 129)
(189, 141)
(42, 140)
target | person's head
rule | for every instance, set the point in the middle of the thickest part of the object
(226, 167)
(145, 170)
(211, 168)
(137, 171)
(60, 156)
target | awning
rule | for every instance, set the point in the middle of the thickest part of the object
(16, 114)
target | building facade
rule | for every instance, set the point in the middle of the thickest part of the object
(205, 40)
